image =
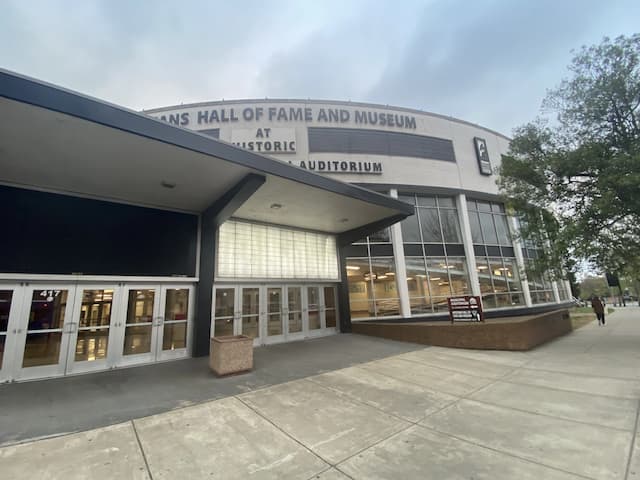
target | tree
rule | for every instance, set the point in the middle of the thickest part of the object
(574, 173)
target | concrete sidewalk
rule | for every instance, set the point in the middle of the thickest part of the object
(567, 410)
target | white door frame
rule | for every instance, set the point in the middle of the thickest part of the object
(267, 339)
(11, 334)
(121, 325)
(53, 370)
(161, 321)
(113, 349)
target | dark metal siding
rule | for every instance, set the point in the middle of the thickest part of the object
(60, 234)
(377, 142)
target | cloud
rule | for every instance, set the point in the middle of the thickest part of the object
(488, 61)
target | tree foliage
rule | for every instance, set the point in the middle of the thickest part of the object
(575, 171)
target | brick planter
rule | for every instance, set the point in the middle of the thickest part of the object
(231, 354)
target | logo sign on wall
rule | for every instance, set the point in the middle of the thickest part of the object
(465, 309)
(483, 155)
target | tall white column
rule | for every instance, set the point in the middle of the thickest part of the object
(401, 267)
(517, 247)
(469, 254)
(556, 293)
(567, 286)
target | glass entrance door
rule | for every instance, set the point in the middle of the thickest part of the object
(250, 313)
(42, 341)
(274, 323)
(93, 342)
(294, 313)
(138, 335)
(174, 332)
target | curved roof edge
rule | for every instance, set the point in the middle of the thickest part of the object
(317, 101)
(28, 90)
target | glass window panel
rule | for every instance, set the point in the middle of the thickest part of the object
(274, 324)
(295, 299)
(407, 199)
(471, 205)
(5, 308)
(288, 261)
(440, 304)
(497, 207)
(311, 256)
(430, 225)
(47, 309)
(274, 259)
(140, 308)
(96, 308)
(42, 349)
(417, 284)
(330, 318)
(174, 336)
(426, 200)
(92, 345)
(483, 206)
(446, 202)
(330, 297)
(385, 291)
(484, 279)
(438, 277)
(360, 289)
(488, 301)
(513, 275)
(476, 232)
(450, 226)
(410, 230)
(223, 327)
(361, 308)
(498, 275)
(224, 302)
(503, 300)
(458, 276)
(274, 300)
(488, 229)
(137, 339)
(381, 236)
(250, 301)
(176, 305)
(503, 230)
(250, 326)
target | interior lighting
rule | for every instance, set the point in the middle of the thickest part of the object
(275, 206)
(389, 273)
(381, 277)
(433, 279)
(353, 267)
(482, 267)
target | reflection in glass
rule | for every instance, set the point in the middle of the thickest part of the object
(140, 307)
(430, 225)
(330, 306)
(224, 302)
(274, 311)
(92, 344)
(47, 309)
(223, 326)
(450, 226)
(381, 236)
(488, 229)
(410, 230)
(5, 308)
(137, 339)
(177, 304)
(96, 308)
(176, 315)
(313, 304)
(42, 349)
(174, 336)
(295, 309)
(250, 312)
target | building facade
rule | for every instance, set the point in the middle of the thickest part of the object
(116, 224)
(460, 240)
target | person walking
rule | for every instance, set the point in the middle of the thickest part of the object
(598, 308)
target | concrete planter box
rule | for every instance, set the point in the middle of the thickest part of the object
(231, 354)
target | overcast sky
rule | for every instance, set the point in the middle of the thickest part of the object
(485, 61)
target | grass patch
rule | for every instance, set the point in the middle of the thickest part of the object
(581, 316)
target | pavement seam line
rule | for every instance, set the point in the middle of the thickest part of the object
(284, 432)
(503, 452)
(484, 402)
(633, 443)
(428, 364)
(557, 389)
(335, 465)
(144, 455)
(577, 374)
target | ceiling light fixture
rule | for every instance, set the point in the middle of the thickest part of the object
(166, 184)
(275, 206)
